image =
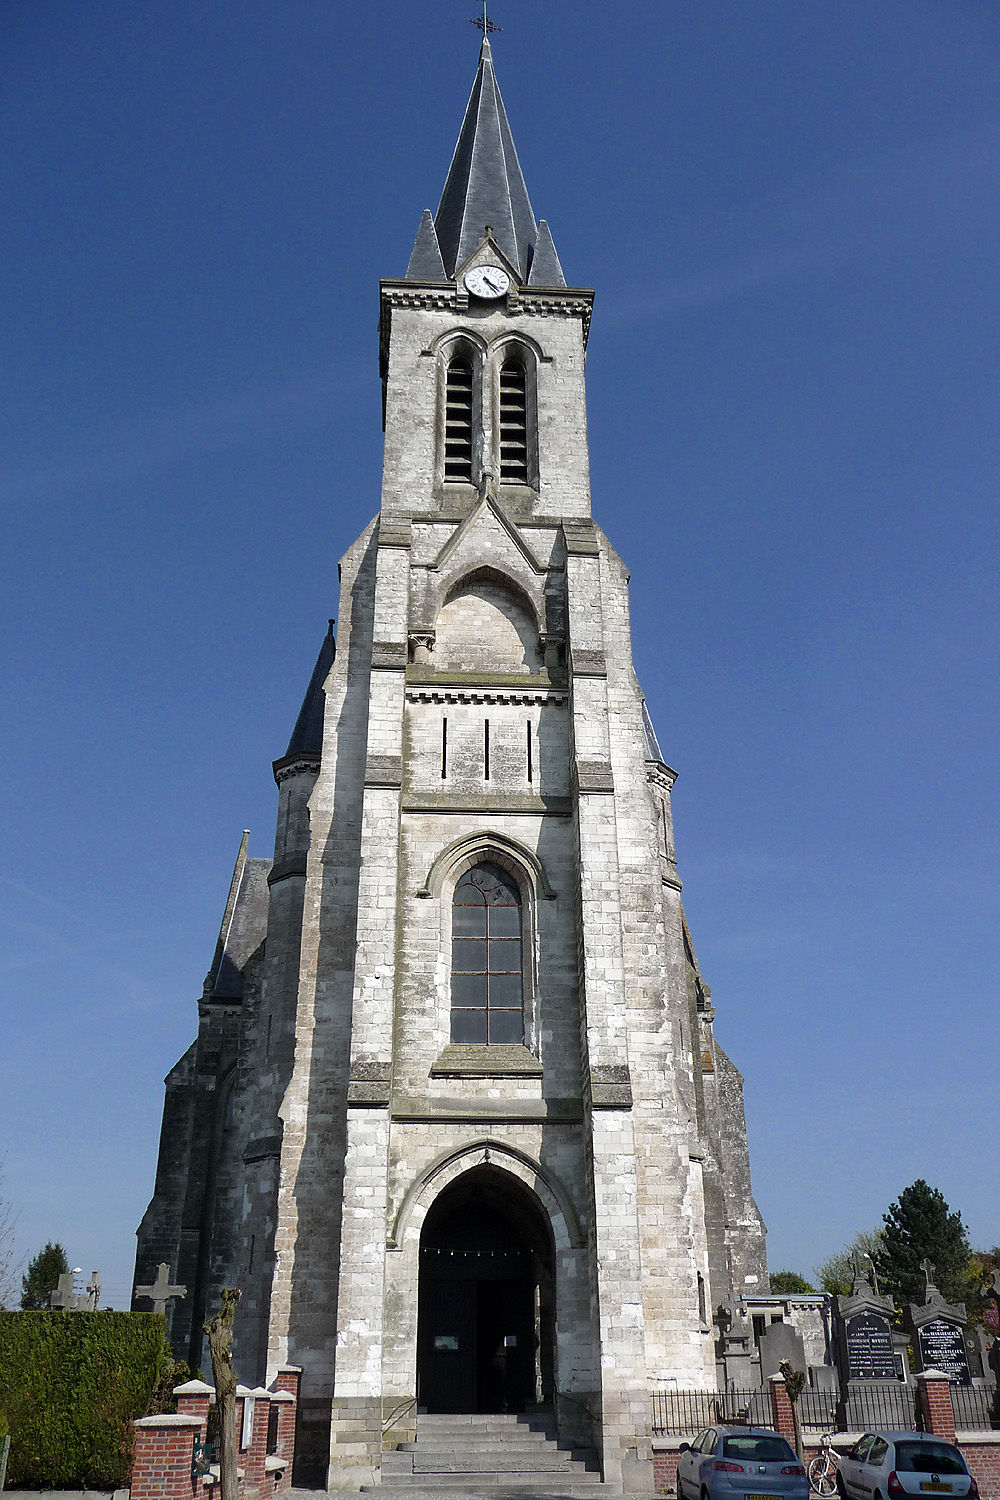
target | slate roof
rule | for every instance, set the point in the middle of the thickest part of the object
(653, 751)
(244, 925)
(307, 736)
(485, 186)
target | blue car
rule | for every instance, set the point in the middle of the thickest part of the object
(890, 1465)
(740, 1463)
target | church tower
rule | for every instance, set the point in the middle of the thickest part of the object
(456, 1121)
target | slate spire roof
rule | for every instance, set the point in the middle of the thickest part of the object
(307, 736)
(485, 187)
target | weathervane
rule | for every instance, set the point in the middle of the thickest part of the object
(486, 26)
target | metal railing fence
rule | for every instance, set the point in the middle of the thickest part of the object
(976, 1408)
(684, 1413)
(873, 1408)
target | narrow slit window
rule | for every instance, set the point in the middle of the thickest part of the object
(486, 750)
(444, 749)
(487, 999)
(513, 423)
(528, 740)
(458, 422)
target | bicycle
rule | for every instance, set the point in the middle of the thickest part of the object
(823, 1468)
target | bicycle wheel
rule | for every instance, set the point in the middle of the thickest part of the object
(822, 1476)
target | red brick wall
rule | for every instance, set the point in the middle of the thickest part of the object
(161, 1469)
(664, 1469)
(984, 1465)
(781, 1410)
(935, 1400)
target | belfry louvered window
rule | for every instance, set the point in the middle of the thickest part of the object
(513, 423)
(487, 999)
(458, 421)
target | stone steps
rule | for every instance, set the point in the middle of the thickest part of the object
(489, 1455)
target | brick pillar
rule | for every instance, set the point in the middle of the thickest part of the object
(164, 1446)
(284, 1402)
(193, 1400)
(781, 1408)
(255, 1479)
(934, 1395)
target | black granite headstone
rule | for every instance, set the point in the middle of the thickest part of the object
(869, 1347)
(942, 1347)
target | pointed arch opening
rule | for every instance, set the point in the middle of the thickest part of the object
(515, 386)
(486, 1297)
(487, 981)
(460, 362)
(513, 421)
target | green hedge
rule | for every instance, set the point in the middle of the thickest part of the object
(71, 1384)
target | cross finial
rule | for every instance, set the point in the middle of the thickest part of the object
(486, 26)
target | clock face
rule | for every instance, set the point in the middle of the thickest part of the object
(488, 282)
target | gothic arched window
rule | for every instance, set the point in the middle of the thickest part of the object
(487, 996)
(458, 420)
(514, 427)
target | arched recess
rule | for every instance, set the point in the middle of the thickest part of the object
(460, 855)
(486, 620)
(450, 1165)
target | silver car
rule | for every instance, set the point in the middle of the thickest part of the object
(888, 1465)
(730, 1463)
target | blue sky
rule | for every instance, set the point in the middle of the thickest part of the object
(789, 210)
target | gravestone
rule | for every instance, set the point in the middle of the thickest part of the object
(737, 1345)
(161, 1292)
(864, 1326)
(867, 1354)
(66, 1298)
(938, 1332)
(778, 1342)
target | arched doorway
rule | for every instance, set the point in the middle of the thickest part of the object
(486, 1317)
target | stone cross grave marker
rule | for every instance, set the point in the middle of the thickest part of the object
(64, 1296)
(161, 1292)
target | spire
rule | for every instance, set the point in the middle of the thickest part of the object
(307, 736)
(425, 257)
(545, 267)
(485, 185)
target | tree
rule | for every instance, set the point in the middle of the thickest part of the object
(42, 1276)
(919, 1226)
(788, 1283)
(836, 1274)
(220, 1342)
(8, 1264)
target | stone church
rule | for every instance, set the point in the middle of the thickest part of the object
(455, 1120)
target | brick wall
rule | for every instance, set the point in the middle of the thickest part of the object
(164, 1444)
(161, 1469)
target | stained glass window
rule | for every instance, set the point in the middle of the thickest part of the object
(487, 1002)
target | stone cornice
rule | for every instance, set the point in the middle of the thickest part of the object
(294, 765)
(484, 695)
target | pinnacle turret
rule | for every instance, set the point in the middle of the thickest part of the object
(307, 736)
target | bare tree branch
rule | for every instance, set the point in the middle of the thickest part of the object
(220, 1342)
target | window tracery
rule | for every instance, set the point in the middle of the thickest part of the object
(487, 985)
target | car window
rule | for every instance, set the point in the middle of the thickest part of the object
(877, 1451)
(929, 1458)
(696, 1441)
(763, 1449)
(709, 1441)
(860, 1449)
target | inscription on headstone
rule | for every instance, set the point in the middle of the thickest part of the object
(942, 1347)
(869, 1347)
